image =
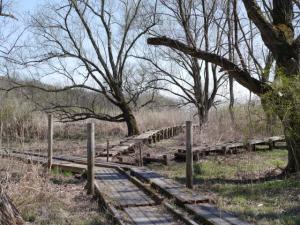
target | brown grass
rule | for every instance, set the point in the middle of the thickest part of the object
(49, 198)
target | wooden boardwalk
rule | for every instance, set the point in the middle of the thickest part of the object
(230, 148)
(194, 202)
(120, 191)
(169, 187)
(135, 143)
(128, 201)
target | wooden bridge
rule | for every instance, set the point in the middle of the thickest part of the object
(136, 195)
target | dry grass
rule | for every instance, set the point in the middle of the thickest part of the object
(49, 198)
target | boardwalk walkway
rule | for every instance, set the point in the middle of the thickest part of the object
(130, 203)
(136, 195)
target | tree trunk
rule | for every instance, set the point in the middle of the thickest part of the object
(132, 126)
(284, 101)
(231, 102)
(293, 145)
(203, 116)
(9, 215)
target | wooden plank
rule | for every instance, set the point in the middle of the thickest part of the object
(78, 160)
(209, 214)
(120, 191)
(150, 215)
(169, 187)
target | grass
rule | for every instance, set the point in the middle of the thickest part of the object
(231, 179)
(43, 198)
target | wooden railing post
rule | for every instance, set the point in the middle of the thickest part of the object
(141, 163)
(107, 150)
(50, 140)
(189, 155)
(90, 158)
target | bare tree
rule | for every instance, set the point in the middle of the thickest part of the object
(194, 81)
(278, 35)
(88, 45)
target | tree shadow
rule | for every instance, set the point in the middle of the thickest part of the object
(276, 215)
(199, 180)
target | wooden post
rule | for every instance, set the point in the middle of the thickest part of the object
(271, 144)
(50, 140)
(90, 158)
(107, 150)
(165, 160)
(189, 155)
(140, 156)
(1, 133)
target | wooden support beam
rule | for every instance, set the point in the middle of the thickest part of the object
(50, 140)
(90, 158)
(189, 155)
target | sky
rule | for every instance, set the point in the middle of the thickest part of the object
(25, 6)
(28, 6)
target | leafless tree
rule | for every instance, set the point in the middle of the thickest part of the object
(88, 44)
(194, 81)
(277, 27)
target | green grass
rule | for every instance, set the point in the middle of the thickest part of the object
(56, 171)
(265, 202)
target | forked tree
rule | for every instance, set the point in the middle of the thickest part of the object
(278, 34)
(88, 44)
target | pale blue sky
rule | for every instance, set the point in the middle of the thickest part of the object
(27, 5)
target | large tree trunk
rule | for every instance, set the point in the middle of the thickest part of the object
(9, 215)
(285, 102)
(202, 115)
(293, 144)
(132, 126)
(231, 102)
(290, 116)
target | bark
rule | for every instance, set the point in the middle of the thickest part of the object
(203, 116)
(231, 100)
(9, 215)
(132, 126)
(290, 117)
(242, 76)
(293, 144)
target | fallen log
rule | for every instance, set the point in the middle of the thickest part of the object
(9, 214)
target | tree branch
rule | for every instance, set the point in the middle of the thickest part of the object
(241, 76)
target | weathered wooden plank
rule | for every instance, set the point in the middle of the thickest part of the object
(209, 214)
(169, 187)
(120, 190)
(150, 215)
